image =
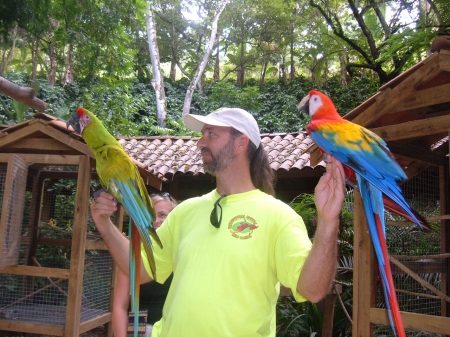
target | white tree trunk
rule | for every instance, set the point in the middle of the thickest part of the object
(68, 72)
(158, 79)
(201, 67)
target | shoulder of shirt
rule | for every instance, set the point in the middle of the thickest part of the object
(194, 200)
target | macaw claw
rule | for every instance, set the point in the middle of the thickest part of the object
(96, 194)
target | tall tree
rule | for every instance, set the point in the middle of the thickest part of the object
(158, 79)
(201, 67)
(383, 44)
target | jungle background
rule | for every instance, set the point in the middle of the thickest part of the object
(140, 65)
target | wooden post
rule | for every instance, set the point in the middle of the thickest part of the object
(33, 224)
(445, 233)
(22, 94)
(364, 282)
(328, 314)
(35, 216)
(73, 313)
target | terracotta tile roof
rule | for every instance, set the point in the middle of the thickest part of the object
(166, 156)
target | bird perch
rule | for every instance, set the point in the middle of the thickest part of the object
(24, 95)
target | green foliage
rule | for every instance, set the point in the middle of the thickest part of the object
(229, 94)
(401, 42)
(128, 108)
(298, 319)
(346, 98)
(304, 205)
(279, 111)
(304, 319)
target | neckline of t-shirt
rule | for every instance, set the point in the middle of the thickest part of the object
(234, 197)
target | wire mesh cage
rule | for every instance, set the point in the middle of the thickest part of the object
(417, 250)
(44, 239)
(13, 182)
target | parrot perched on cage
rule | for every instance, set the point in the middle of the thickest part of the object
(366, 156)
(120, 176)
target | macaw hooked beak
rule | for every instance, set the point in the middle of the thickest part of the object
(74, 121)
(304, 104)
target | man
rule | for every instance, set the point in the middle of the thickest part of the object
(230, 249)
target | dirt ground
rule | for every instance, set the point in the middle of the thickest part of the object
(97, 332)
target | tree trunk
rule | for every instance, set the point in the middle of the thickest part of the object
(263, 73)
(216, 74)
(68, 72)
(52, 69)
(201, 67)
(54, 24)
(313, 73)
(292, 71)
(173, 63)
(283, 67)
(157, 80)
(241, 67)
(3, 63)
(325, 72)
(343, 70)
(8, 56)
(173, 71)
(34, 59)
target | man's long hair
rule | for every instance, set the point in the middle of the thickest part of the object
(263, 177)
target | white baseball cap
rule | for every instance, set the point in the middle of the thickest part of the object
(236, 118)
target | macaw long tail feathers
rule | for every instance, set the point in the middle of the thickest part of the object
(389, 288)
(135, 274)
(151, 262)
(389, 204)
(374, 209)
(393, 207)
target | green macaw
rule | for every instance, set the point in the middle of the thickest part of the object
(120, 176)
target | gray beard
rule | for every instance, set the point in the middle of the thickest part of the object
(221, 161)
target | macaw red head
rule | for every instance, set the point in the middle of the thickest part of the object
(79, 120)
(318, 105)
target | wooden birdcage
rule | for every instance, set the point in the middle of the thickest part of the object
(56, 274)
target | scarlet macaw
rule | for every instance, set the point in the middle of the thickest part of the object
(120, 176)
(377, 174)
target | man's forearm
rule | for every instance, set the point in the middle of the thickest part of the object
(320, 265)
(118, 245)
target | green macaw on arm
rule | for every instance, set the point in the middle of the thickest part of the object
(120, 176)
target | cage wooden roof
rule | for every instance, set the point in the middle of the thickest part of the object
(45, 135)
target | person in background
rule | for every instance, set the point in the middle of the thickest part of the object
(230, 249)
(153, 294)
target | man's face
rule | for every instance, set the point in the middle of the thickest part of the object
(217, 148)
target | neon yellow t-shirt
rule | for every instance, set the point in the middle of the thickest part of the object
(226, 280)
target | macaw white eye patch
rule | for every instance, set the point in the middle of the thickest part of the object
(84, 121)
(315, 102)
